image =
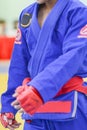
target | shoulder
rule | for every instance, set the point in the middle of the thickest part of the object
(26, 15)
(76, 10)
(75, 14)
(28, 9)
(76, 6)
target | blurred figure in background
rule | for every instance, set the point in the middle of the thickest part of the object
(47, 68)
(12, 32)
(15, 24)
(2, 27)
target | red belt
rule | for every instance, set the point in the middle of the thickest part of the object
(75, 83)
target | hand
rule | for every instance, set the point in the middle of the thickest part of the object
(26, 80)
(19, 90)
(16, 103)
(29, 99)
(8, 121)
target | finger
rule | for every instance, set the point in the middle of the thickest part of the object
(10, 121)
(32, 111)
(19, 89)
(17, 123)
(21, 110)
(18, 107)
(14, 103)
(15, 95)
(14, 126)
(10, 127)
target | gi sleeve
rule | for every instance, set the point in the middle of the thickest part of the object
(69, 64)
(17, 70)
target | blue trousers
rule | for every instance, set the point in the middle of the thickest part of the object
(79, 123)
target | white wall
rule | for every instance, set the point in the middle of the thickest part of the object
(84, 1)
(10, 10)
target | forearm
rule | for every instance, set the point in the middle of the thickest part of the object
(56, 74)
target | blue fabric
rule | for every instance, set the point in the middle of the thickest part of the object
(56, 67)
(49, 60)
(79, 122)
(72, 96)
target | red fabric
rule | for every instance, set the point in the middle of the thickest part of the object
(26, 80)
(21, 89)
(55, 106)
(33, 94)
(24, 86)
(6, 46)
(75, 83)
(9, 115)
(29, 99)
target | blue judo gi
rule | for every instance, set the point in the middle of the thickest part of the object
(51, 56)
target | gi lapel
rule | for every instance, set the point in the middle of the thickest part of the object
(44, 34)
(34, 24)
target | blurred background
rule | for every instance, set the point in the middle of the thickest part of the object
(9, 14)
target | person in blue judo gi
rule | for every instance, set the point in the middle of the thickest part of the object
(47, 68)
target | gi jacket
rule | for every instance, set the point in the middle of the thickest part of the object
(50, 55)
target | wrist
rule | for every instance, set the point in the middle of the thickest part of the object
(36, 92)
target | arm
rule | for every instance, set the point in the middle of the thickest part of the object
(17, 71)
(72, 62)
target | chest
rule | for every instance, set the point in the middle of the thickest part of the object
(42, 16)
(55, 40)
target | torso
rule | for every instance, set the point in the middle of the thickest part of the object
(42, 14)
